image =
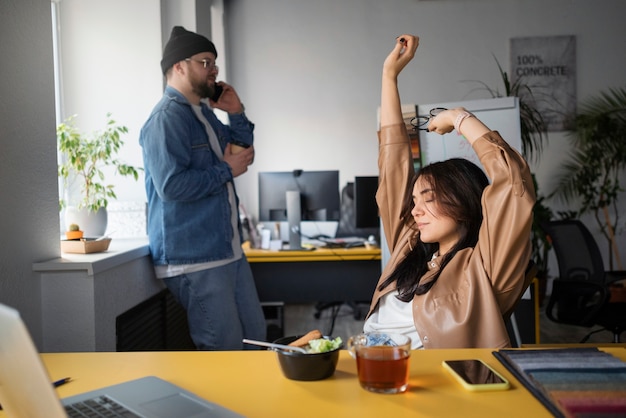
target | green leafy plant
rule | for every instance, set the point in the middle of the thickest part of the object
(84, 157)
(594, 168)
(540, 242)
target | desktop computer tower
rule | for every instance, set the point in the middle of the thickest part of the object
(274, 319)
(294, 217)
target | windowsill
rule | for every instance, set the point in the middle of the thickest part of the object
(120, 251)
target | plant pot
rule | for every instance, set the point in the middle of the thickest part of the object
(74, 234)
(93, 224)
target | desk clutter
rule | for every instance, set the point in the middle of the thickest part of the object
(344, 242)
(571, 382)
(274, 236)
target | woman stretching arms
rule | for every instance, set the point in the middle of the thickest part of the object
(459, 244)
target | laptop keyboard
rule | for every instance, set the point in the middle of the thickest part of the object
(101, 406)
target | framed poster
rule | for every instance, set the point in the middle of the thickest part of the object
(547, 65)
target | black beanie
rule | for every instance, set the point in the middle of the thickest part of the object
(183, 44)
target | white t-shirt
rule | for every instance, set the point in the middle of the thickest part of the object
(395, 316)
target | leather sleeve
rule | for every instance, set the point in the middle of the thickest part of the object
(395, 163)
(504, 238)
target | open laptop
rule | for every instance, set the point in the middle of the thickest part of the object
(27, 391)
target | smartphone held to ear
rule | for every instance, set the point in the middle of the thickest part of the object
(475, 375)
(218, 90)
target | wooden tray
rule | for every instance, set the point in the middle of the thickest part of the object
(85, 245)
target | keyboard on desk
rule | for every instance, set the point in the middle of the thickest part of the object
(346, 242)
(101, 406)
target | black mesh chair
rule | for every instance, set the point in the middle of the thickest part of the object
(581, 295)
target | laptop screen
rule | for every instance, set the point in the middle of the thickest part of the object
(25, 387)
(27, 391)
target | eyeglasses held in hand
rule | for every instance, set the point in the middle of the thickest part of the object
(205, 63)
(420, 123)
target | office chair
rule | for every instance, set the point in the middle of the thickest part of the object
(581, 295)
(346, 228)
(510, 319)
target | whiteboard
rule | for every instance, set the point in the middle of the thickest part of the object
(499, 114)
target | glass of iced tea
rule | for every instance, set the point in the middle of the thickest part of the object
(382, 361)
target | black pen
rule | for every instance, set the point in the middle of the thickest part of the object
(61, 382)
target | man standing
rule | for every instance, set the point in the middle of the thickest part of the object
(193, 221)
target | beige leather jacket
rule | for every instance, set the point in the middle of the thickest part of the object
(479, 285)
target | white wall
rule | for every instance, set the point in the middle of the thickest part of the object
(29, 228)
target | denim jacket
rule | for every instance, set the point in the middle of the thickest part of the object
(188, 209)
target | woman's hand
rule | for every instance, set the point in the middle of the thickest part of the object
(443, 123)
(467, 124)
(402, 53)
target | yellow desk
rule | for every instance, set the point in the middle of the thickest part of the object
(251, 383)
(256, 255)
(320, 275)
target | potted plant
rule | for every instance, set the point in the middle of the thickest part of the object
(83, 158)
(73, 232)
(592, 173)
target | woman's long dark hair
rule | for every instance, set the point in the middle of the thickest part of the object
(458, 185)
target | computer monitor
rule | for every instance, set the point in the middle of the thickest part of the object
(365, 207)
(319, 194)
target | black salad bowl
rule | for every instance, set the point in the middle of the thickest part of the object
(300, 366)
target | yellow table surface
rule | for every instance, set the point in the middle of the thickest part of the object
(256, 255)
(251, 383)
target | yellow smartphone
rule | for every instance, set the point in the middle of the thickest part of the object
(476, 375)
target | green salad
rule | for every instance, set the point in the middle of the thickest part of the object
(323, 345)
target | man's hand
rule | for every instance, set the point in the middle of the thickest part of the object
(229, 100)
(239, 161)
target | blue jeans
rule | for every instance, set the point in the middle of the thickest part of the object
(222, 306)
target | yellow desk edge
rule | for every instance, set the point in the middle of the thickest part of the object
(257, 255)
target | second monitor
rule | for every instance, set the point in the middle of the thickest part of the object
(365, 207)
